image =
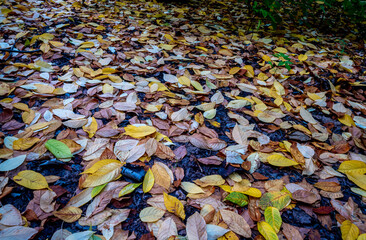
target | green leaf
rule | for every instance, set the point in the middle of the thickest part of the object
(98, 189)
(128, 189)
(237, 198)
(276, 199)
(95, 237)
(59, 149)
(273, 217)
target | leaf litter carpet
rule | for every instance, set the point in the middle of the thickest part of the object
(219, 133)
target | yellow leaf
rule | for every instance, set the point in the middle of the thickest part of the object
(352, 167)
(107, 88)
(266, 58)
(280, 50)
(99, 165)
(169, 37)
(192, 188)
(167, 46)
(31, 180)
(91, 128)
(184, 81)
(250, 71)
(103, 175)
(362, 237)
(359, 180)
(254, 192)
(57, 44)
(197, 85)
(349, 230)
(302, 57)
(279, 88)
(267, 231)
(263, 77)
(347, 120)
(87, 45)
(229, 236)
(161, 175)
(68, 214)
(115, 78)
(202, 48)
(302, 128)
(109, 70)
(151, 214)
(276, 199)
(210, 180)
(210, 114)
(234, 70)
(280, 161)
(24, 143)
(139, 132)
(21, 106)
(148, 181)
(175, 206)
(273, 217)
(45, 89)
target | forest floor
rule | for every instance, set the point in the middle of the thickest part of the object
(233, 134)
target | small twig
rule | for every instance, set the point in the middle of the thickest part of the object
(18, 51)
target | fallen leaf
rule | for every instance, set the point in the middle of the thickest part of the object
(149, 180)
(68, 214)
(31, 180)
(196, 227)
(173, 205)
(267, 231)
(59, 149)
(236, 223)
(151, 214)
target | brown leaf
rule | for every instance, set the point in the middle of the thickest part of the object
(236, 223)
(196, 227)
(212, 160)
(151, 146)
(162, 174)
(305, 196)
(291, 232)
(164, 152)
(328, 186)
(180, 152)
